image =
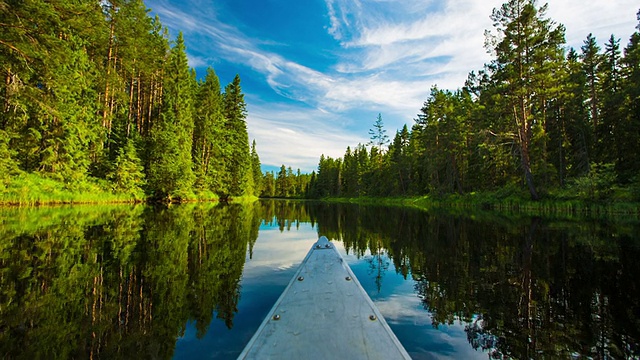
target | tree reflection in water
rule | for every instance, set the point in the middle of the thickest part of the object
(524, 287)
(123, 282)
(118, 282)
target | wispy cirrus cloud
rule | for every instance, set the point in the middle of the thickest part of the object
(297, 137)
(388, 54)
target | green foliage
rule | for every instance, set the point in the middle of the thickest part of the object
(268, 185)
(119, 281)
(529, 287)
(169, 171)
(379, 137)
(534, 118)
(208, 149)
(256, 169)
(28, 189)
(327, 181)
(238, 158)
(599, 184)
(285, 184)
(8, 166)
(76, 89)
(128, 173)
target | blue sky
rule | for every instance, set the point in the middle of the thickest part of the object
(316, 73)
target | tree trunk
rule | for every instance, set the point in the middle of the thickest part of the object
(7, 95)
(524, 139)
(130, 117)
(106, 86)
(138, 105)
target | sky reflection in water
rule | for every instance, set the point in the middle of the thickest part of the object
(272, 263)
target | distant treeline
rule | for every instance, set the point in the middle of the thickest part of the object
(285, 184)
(538, 118)
(94, 92)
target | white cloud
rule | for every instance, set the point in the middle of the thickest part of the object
(391, 53)
(452, 34)
(297, 138)
(602, 18)
(281, 250)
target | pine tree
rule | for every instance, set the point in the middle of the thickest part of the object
(169, 170)
(238, 159)
(8, 166)
(256, 169)
(629, 161)
(350, 175)
(282, 183)
(591, 59)
(527, 49)
(133, 60)
(443, 133)
(378, 134)
(127, 175)
(48, 97)
(399, 167)
(68, 126)
(609, 133)
(207, 140)
(268, 185)
(578, 112)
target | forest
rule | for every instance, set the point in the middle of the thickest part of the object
(98, 104)
(540, 120)
(285, 184)
(97, 100)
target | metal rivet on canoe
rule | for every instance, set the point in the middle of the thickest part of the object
(372, 317)
(277, 317)
(348, 278)
(326, 246)
(318, 246)
(300, 278)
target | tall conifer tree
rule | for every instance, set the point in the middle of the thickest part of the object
(257, 171)
(610, 132)
(591, 59)
(629, 166)
(238, 160)
(526, 48)
(578, 116)
(207, 140)
(169, 170)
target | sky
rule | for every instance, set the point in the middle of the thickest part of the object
(316, 73)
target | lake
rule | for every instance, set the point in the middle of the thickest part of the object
(196, 280)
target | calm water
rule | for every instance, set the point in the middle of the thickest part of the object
(195, 281)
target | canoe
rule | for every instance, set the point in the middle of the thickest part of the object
(324, 313)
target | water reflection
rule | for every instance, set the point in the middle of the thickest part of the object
(117, 282)
(524, 288)
(195, 281)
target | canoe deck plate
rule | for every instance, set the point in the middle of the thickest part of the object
(324, 313)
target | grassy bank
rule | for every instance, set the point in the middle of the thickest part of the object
(513, 203)
(34, 190)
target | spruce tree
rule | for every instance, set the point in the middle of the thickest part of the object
(591, 59)
(268, 185)
(208, 143)
(578, 112)
(629, 162)
(609, 132)
(169, 169)
(282, 183)
(127, 175)
(256, 169)
(8, 166)
(237, 157)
